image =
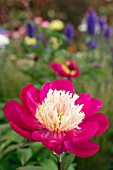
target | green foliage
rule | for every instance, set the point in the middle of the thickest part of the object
(30, 168)
(67, 160)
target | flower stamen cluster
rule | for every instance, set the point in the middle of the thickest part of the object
(58, 111)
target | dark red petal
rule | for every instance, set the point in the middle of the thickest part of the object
(82, 149)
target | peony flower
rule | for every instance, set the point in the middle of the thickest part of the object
(69, 69)
(58, 117)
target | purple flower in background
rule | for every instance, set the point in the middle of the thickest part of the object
(102, 22)
(91, 20)
(2, 31)
(92, 44)
(69, 31)
(30, 29)
(107, 32)
(42, 37)
(96, 65)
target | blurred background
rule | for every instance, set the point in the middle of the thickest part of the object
(34, 33)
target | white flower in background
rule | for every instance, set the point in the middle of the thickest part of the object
(83, 27)
(4, 40)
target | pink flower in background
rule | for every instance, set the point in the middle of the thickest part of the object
(38, 20)
(58, 117)
(19, 33)
(69, 69)
(45, 24)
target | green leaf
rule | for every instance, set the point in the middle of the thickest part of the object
(10, 148)
(49, 164)
(24, 155)
(36, 146)
(30, 168)
(67, 159)
(72, 166)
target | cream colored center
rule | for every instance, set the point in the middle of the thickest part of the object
(58, 111)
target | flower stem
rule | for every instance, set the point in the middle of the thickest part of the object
(59, 163)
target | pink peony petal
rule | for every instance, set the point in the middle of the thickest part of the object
(43, 92)
(91, 105)
(23, 93)
(58, 149)
(87, 131)
(25, 133)
(47, 134)
(58, 85)
(50, 139)
(62, 85)
(82, 149)
(11, 113)
(55, 66)
(20, 116)
(103, 122)
(32, 99)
